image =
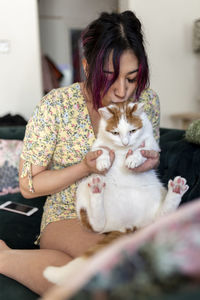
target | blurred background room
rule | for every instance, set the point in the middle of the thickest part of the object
(40, 50)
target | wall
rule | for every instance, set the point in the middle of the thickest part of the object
(20, 72)
(175, 69)
(56, 20)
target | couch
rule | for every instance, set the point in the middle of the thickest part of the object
(178, 157)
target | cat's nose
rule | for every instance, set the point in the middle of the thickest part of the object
(125, 141)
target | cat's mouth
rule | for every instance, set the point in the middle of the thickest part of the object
(122, 145)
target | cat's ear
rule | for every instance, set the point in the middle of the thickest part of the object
(105, 113)
(140, 108)
(137, 108)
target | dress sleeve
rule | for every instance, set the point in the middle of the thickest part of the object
(152, 108)
(40, 136)
(156, 116)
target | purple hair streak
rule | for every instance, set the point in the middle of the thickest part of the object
(142, 78)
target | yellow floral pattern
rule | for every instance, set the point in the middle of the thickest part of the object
(59, 134)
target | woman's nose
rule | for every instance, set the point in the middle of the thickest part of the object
(120, 89)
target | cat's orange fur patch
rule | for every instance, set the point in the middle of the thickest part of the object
(106, 240)
(84, 219)
(118, 110)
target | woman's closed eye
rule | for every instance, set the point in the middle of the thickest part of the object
(109, 75)
(132, 80)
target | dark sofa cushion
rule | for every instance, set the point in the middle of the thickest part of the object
(12, 290)
(19, 232)
(179, 157)
(12, 132)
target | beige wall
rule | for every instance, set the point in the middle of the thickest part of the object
(20, 68)
(175, 69)
(58, 17)
(20, 74)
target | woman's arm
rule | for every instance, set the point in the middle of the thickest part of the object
(46, 182)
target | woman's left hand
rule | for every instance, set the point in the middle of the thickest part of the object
(152, 162)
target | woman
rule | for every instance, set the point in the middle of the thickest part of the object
(59, 135)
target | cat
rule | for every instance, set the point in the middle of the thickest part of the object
(121, 201)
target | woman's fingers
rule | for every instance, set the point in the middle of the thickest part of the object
(112, 156)
(150, 153)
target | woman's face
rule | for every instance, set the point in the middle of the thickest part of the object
(125, 85)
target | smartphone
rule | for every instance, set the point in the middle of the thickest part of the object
(19, 208)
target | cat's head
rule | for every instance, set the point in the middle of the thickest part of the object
(122, 122)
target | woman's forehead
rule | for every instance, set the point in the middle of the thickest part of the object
(128, 61)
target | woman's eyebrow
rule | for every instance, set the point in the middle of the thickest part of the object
(134, 71)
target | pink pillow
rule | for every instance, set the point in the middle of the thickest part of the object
(10, 151)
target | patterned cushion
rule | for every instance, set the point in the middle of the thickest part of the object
(10, 151)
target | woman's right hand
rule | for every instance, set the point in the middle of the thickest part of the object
(90, 161)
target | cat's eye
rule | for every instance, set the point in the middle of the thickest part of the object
(115, 132)
(132, 131)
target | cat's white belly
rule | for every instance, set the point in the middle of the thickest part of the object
(127, 207)
(128, 200)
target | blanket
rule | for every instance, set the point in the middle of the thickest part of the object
(160, 260)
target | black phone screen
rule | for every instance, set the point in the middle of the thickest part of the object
(19, 207)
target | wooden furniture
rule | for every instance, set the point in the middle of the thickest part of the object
(185, 118)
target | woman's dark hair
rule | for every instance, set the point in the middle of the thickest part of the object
(112, 32)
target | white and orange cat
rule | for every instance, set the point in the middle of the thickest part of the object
(121, 200)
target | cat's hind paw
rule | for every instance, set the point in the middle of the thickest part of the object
(178, 185)
(96, 185)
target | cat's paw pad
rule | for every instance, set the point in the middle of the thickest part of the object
(178, 185)
(134, 160)
(103, 162)
(51, 274)
(96, 185)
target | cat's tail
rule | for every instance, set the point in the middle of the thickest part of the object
(60, 275)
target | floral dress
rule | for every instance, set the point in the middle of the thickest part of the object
(59, 134)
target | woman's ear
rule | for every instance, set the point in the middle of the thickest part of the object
(85, 66)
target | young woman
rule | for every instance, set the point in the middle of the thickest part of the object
(59, 135)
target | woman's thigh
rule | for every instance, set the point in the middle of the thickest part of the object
(68, 236)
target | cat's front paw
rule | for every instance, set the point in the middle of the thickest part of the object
(96, 185)
(178, 185)
(134, 160)
(103, 162)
